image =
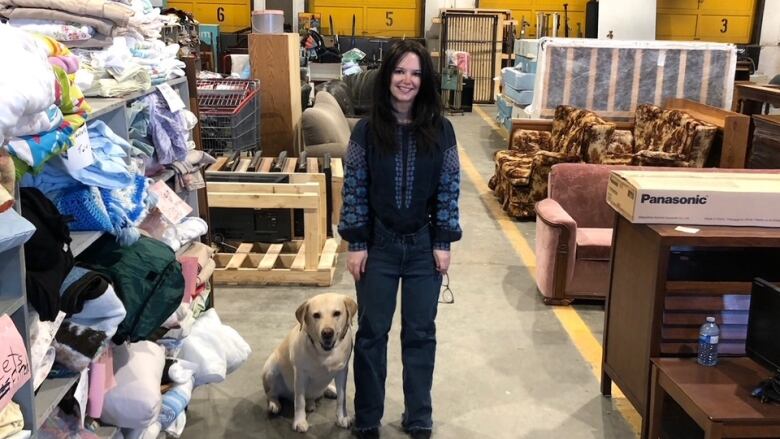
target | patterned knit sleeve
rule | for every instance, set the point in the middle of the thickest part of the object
(447, 222)
(354, 225)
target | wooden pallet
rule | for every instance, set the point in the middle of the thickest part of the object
(310, 261)
(276, 264)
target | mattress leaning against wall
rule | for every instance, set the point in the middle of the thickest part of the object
(612, 77)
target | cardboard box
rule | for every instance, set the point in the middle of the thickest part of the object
(696, 198)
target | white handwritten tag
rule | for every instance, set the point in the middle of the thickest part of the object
(171, 97)
(79, 156)
(173, 208)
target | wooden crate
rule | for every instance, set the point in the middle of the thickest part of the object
(310, 261)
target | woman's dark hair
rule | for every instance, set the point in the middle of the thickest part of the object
(427, 107)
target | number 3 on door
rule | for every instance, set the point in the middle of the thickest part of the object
(725, 23)
(221, 14)
(389, 18)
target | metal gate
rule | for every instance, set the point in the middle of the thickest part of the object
(476, 34)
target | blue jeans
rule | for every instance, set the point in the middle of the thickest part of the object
(393, 258)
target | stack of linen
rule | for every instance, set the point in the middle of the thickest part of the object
(80, 23)
(133, 62)
(42, 108)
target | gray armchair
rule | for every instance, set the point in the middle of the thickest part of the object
(325, 128)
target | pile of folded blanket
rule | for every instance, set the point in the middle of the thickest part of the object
(71, 20)
(134, 61)
(42, 108)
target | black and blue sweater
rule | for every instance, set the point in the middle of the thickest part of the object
(404, 190)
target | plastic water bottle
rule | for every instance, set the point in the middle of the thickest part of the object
(709, 334)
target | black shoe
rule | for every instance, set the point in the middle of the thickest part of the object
(420, 433)
(371, 433)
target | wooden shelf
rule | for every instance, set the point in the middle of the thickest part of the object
(50, 394)
(706, 288)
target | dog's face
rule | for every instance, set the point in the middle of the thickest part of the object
(326, 318)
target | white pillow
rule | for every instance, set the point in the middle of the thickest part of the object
(136, 400)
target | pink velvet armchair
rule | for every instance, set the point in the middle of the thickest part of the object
(574, 234)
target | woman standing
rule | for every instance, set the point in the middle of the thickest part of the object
(400, 215)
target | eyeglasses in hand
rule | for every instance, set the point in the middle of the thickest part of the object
(446, 295)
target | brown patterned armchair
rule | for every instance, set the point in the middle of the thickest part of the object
(657, 137)
(667, 138)
(520, 178)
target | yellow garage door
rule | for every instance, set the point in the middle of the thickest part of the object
(727, 21)
(529, 8)
(388, 18)
(231, 15)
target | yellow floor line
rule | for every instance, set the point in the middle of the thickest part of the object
(490, 121)
(582, 337)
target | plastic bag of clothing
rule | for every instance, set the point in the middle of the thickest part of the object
(217, 349)
(147, 279)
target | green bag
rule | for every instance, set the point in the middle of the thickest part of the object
(147, 279)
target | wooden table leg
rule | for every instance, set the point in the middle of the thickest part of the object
(713, 431)
(606, 383)
(651, 422)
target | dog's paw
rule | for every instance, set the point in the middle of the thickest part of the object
(301, 426)
(274, 407)
(344, 421)
(311, 405)
(330, 392)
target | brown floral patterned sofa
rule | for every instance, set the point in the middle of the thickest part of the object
(658, 137)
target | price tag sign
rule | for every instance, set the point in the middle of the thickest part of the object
(171, 97)
(173, 208)
(14, 365)
(79, 156)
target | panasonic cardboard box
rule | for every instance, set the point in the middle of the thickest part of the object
(696, 198)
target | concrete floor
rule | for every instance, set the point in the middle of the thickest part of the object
(505, 367)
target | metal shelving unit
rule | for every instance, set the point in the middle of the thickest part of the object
(37, 406)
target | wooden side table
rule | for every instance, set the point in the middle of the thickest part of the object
(750, 98)
(716, 398)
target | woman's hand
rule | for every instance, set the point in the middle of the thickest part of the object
(356, 263)
(442, 258)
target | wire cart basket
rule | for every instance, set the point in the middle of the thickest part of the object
(229, 115)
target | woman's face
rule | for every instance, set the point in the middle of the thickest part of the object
(405, 82)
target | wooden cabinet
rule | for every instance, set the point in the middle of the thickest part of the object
(386, 18)
(728, 21)
(765, 150)
(663, 284)
(280, 89)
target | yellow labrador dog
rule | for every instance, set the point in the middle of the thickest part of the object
(315, 352)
